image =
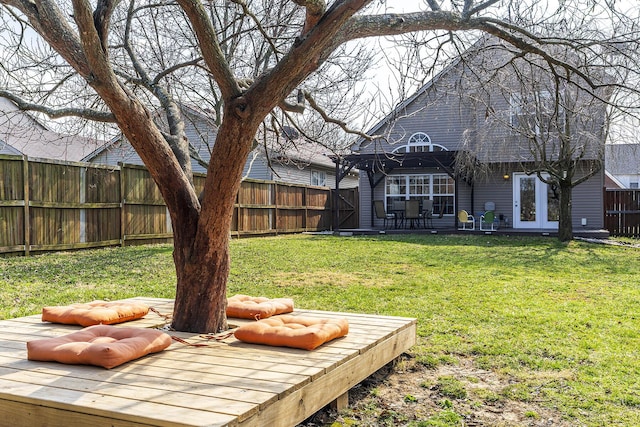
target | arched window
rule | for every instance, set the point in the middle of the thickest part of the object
(419, 139)
(419, 142)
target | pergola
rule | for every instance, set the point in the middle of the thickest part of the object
(378, 165)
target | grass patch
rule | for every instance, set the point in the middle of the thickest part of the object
(451, 387)
(559, 320)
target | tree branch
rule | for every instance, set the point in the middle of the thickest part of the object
(47, 19)
(102, 20)
(85, 113)
(340, 123)
(254, 18)
(315, 9)
(210, 47)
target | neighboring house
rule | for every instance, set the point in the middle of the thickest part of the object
(424, 141)
(622, 164)
(292, 160)
(296, 161)
(22, 134)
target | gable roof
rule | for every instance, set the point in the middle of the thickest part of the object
(21, 133)
(622, 159)
(480, 43)
(405, 103)
(484, 120)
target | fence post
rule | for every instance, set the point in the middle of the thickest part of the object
(25, 192)
(83, 200)
(122, 203)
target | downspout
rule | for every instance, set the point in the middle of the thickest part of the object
(336, 214)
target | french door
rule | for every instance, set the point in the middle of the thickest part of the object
(535, 204)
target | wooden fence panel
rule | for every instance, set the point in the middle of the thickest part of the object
(145, 220)
(12, 227)
(255, 221)
(103, 225)
(12, 198)
(54, 183)
(11, 178)
(144, 215)
(52, 226)
(102, 185)
(255, 193)
(289, 195)
(622, 212)
(290, 220)
(318, 209)
(138, 185)
(54, 202)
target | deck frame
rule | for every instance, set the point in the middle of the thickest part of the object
(226, 383)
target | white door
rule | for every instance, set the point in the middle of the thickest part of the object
(535, 204)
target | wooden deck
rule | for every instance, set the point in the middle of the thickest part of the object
(226, 383)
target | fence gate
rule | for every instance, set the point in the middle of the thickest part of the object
(348, 208)
(622, 212)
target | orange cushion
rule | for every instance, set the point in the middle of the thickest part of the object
(99, 345)
(293, 331)
(246, 307)
(95, 313)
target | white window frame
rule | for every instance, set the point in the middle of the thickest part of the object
(319, 178)
(419, 142)
(406, 186)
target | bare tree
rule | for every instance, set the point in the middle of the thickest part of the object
(551, 125)
(246, 88)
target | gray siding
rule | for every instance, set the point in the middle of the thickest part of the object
(256, 167)
(295, 175)
(439, 116)
(588, 202)
(7, 149)
(494, 188)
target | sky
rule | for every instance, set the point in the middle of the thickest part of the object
(384, 84)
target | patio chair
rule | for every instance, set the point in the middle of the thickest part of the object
(466, 219)
(382, 214)
(427, 213)
(398, 208)
(412, 213)
(487, 220)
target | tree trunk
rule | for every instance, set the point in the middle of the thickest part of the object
(202, 259)
(565, 225)
(200, 304)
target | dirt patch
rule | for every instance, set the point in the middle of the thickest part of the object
(408, 393)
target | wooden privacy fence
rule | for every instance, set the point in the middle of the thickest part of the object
(622, 212)
(48, 205)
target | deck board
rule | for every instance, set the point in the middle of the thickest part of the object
(224, 383)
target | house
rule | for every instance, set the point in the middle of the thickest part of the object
(286, 158)
(454, 142)
(622, 164)
(23, 134)
(296, 161)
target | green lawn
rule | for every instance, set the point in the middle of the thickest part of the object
(560, 321)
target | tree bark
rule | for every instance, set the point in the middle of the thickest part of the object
(202, 259)
(565, 225)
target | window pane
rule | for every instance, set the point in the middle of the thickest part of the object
(439, 187)
(396, 185)
(553, 204)
(318, 178)
(443, 203)
(443, 184)
(419, 184)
